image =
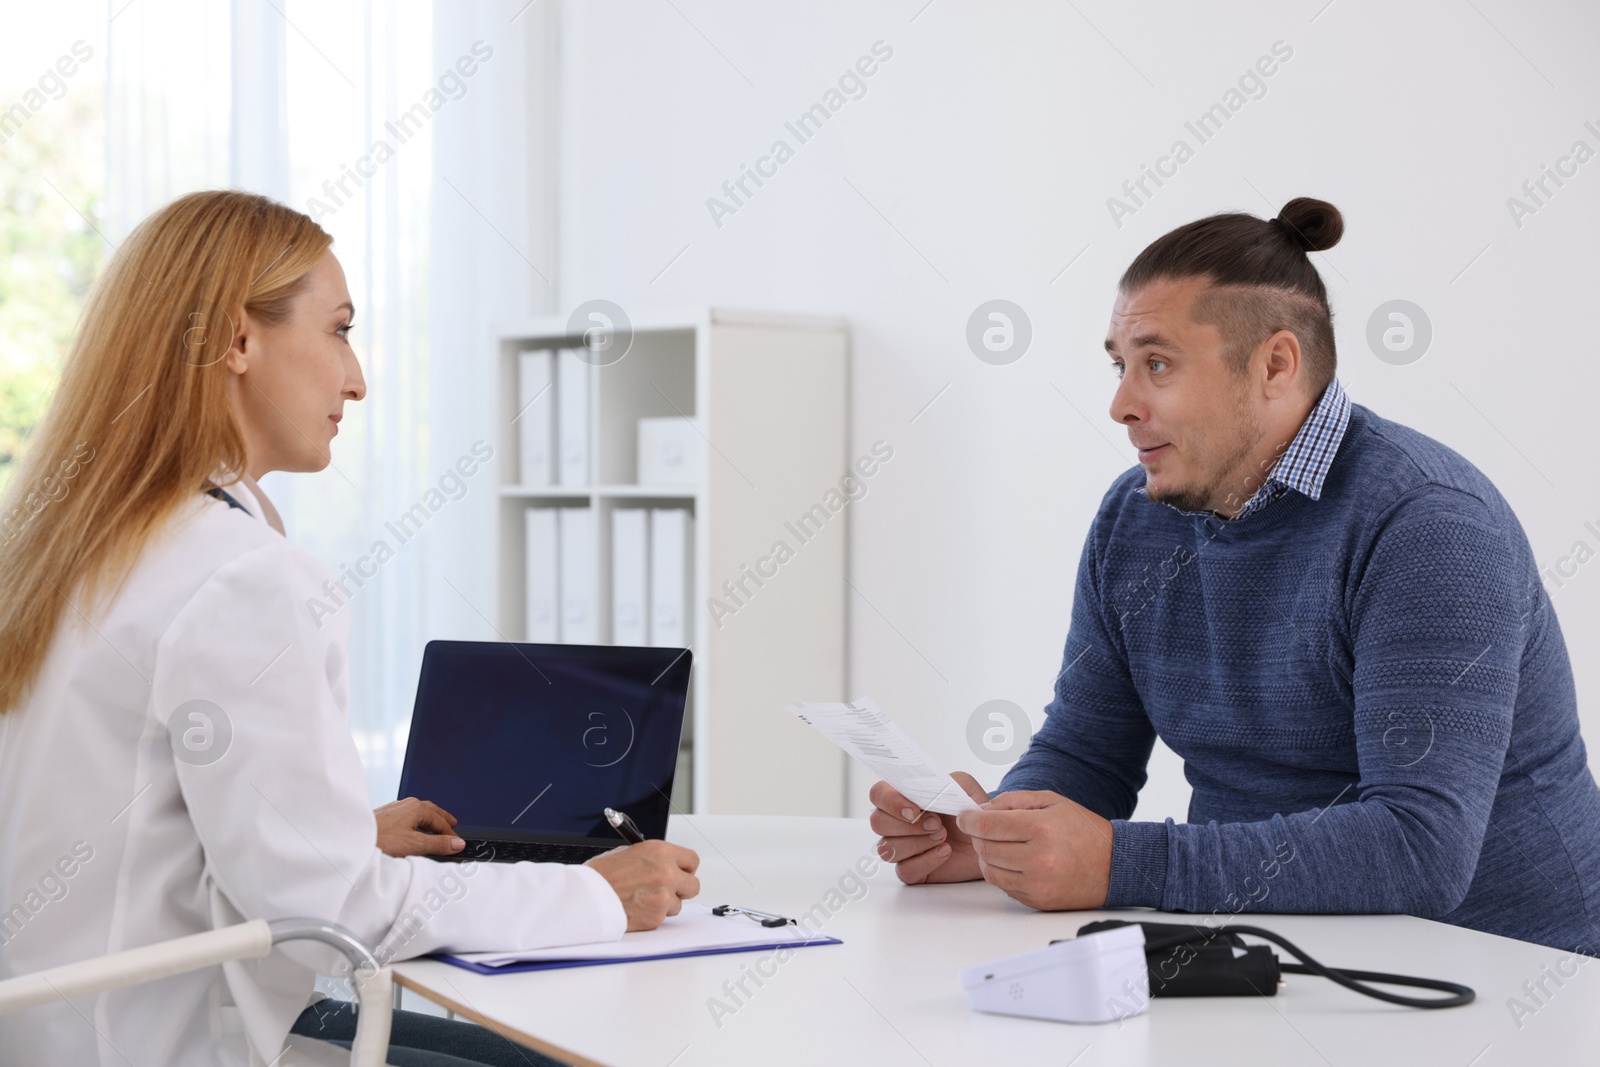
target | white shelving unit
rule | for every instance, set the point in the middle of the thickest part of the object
(769, 394)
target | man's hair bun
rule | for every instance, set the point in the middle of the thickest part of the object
(1312, 224)
(1259, 271)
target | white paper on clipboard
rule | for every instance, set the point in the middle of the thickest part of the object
(865, 732)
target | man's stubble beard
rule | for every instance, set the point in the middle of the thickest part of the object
(1211, 496)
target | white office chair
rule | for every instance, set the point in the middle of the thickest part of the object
(251, 940)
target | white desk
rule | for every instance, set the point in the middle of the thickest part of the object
(889, 995)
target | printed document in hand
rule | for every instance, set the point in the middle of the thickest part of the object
(869, 735)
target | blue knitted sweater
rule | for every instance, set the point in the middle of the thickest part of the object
(1370, 693)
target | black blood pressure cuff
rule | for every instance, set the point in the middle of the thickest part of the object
(1192, 961)
(1202, 961)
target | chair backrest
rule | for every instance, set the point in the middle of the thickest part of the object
(250, 940)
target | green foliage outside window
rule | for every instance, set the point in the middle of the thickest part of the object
(51, 190)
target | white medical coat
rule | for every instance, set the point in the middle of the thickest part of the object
(109, 840)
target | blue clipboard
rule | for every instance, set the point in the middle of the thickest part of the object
(553, 965)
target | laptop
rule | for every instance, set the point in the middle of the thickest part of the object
(527, 745)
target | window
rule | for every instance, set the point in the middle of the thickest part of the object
(373, 118)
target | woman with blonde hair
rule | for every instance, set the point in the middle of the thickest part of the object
(173, 749)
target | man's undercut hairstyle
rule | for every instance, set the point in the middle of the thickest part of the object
(1261, 279)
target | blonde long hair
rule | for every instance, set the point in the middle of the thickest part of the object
(141, 419)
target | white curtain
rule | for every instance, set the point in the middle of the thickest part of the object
(364, 115)
(493, 262)
(168, 88)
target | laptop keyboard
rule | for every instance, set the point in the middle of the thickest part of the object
(536, 851)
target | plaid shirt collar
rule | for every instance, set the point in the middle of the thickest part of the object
(1304, 464)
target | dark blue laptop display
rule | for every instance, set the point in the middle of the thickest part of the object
(527, 745)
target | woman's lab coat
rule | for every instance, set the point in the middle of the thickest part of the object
(127, 820)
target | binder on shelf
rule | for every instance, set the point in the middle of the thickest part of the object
(671, 560)
(671, 451)
(630, 570)
(572, 418)
(536, 406)
(576, 551)
(543, 590)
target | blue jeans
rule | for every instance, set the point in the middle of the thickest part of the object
(417, 1040)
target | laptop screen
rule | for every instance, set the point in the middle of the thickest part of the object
(534, 742)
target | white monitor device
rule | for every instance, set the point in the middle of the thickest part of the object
(1094, 978)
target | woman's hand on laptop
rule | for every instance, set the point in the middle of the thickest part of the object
(924, 846)
(413, 827)
(652, 879)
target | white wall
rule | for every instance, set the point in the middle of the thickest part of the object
(978, 165)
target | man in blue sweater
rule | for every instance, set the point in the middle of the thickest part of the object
(1335, 621)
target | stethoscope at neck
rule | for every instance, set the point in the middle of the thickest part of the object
(223, 495)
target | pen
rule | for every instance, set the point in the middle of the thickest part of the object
(623, 825)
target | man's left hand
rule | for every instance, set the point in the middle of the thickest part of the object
(1042, 849)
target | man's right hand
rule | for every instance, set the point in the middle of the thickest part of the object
(924, 846)
(652, 879)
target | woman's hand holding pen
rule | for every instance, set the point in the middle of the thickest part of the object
(652, 879)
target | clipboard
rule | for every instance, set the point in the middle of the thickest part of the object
(696, 931)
